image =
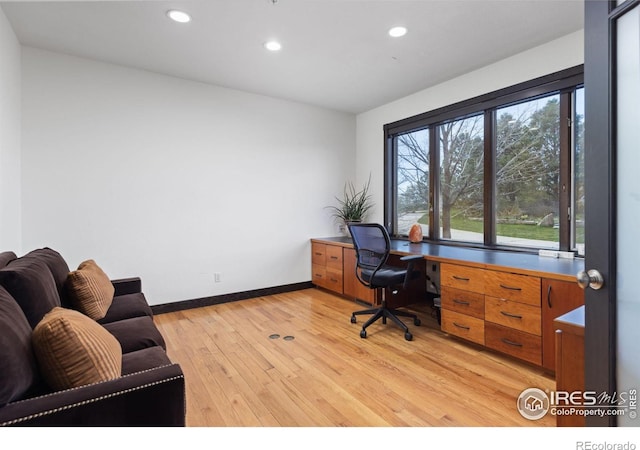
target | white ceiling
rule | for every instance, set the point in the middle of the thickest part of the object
(336, 53)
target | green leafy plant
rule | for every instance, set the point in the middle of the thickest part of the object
(354, 205)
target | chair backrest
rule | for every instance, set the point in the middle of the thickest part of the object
(372, 244)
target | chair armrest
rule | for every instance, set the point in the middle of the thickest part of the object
(154, 397)
(124, 286)
(409, 259)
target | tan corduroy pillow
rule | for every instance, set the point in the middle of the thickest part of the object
(72, 350)
(90, 290)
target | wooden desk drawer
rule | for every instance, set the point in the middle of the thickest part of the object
(318, 275)
(521, 288)
(334, 280)
(334, 257)
(513, 342)
(464, 302)
(466, 327)
(318, 254)
(512, 314)
(461, 277)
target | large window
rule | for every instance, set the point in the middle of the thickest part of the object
(501, 170)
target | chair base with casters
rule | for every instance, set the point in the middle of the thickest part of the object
(384, 313)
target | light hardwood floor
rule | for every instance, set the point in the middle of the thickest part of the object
(236, 375)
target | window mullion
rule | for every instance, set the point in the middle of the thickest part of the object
(489, 179)
(434, 182)
(564, 191)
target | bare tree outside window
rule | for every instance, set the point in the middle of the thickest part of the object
(527, 173)
(461, 146)
(413, 181)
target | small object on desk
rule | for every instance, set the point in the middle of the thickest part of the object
(415, 233)
(566, 255)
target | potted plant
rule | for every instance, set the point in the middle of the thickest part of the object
(354, 205)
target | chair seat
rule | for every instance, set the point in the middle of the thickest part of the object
(386, 276)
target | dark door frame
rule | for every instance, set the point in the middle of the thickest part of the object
(600, 311)
(600, 194)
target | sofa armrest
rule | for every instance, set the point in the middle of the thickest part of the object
(154, 397)
(124, 286)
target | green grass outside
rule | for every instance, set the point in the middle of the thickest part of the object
(508, 230)
(503, 229)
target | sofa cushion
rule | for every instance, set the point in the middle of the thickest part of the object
(145, 359)
(136, 333)
(18, 369)
(127, 307)
(56, 264)
(73, 350)
(31, 284)
(90, 290)
(6, 258)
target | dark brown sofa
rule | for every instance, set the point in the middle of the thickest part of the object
(150, 390)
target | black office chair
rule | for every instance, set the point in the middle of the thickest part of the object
(373, 245)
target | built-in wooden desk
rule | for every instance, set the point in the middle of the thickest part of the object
(503, 300)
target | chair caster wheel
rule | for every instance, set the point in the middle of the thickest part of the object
(353, 319)
(416, 322)
(408, 336)
(363, 334)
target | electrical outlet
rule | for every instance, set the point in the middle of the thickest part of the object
(217, 277)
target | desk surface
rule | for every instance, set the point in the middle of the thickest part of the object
(573, 320)
(524, 263)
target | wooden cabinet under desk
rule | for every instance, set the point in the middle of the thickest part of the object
(569, 339)
(558, 298)
(499, 310)
(512, 315)
(462, 302)
(326, 266)
(508, 312)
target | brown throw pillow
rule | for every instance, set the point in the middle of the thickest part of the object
(73, 350)
(90, 290)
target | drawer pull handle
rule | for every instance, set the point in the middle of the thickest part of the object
(515, 316)
(514, 344)
(461, 302)
(334, 257)
(511, 288)
(318, 254)
(319, 275)
(460, 278)
(334, 280)
(461, 326)
(549, 297)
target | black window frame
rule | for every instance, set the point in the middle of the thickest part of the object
(564, 83)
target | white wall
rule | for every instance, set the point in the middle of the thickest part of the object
(10, 122)
(554, 56)
(174, 180)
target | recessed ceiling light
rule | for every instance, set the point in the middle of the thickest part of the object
(179, 16)
(273, 46)
(397, 31)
